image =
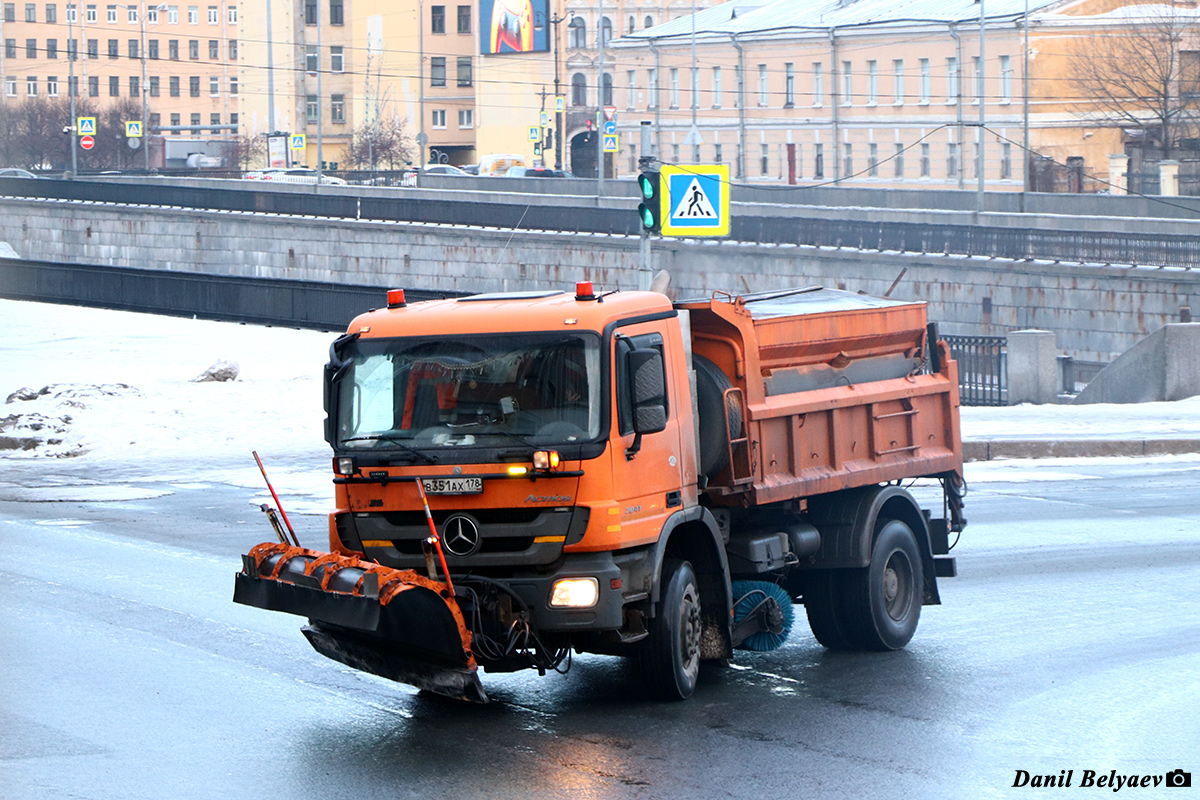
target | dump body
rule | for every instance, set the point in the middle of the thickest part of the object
(832, 393)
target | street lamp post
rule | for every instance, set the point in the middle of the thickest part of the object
(146, 86)
(558, 114)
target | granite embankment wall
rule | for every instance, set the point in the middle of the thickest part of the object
(1096, 312)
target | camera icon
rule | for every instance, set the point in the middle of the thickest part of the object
(1179, 778)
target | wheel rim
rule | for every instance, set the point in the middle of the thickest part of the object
(690, 628)
(897, 585)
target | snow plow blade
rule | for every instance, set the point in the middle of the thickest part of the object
(393, 623)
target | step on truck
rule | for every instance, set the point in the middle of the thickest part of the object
(523, 475)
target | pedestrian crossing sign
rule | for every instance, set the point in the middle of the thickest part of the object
(696, 200)
(86, 126)
(298, 142)
(133, 129)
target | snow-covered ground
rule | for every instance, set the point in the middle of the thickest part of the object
(121, 390)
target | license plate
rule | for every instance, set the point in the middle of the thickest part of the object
(452, 485)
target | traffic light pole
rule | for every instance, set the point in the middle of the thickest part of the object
(646, 162)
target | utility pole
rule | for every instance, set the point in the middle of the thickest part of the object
(980, 161)
(271, 126)
(73, 89)
(558, 114)
(600, 104)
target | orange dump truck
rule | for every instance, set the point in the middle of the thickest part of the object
(523, 475)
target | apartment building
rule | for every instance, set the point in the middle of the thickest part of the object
(180, 60)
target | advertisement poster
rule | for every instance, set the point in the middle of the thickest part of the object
(513, 26)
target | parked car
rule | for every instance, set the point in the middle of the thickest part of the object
(292, 175)
(534, 172)
(410, 176)
(16, 172)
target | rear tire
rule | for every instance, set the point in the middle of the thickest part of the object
(823, 604)
(883, 601)
(670, 660)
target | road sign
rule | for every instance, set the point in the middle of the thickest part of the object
(560, 104)
(610, 127)
(133, 129)
(535, 133)
(86, 126)
(611, 140)
(87, 142)
(610, 112)
(545, 120)
(695, 200)
(298, 142)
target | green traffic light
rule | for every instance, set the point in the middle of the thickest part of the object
(647, 217)
(647, 186)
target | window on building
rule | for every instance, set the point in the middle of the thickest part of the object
(337, 109)
(898, 160)
(31, 12)
(214, 120)
(10, 12)
(673, 74)
(818, 84)
(173, 49)
(154, 89)
(89, 14)
(789, 85)
(578, 89)
(764, 159)
(173, 86)
(606, 89)
(132, 48)
(577, 33)
(898, 81)
(1006, 79)
(924, 159)
(437, 19)
(114, 48)
(847, 159)
(214, 49)
(172, 15)
(51, 13)
(72, 13)
(311, 108)
(631, 79)
(10, 86)
(114, 86)
(337, 59)
(764, 96)
(193, 15)
(648, 22)
(1005, 161)
(93, 48)
(155, 121)
(233, 49)
(111, 14)
(93, 86)
(10, 48)
(718, 153)
(872, 82)
(873, 159)
(312, 59)
(818, 160)
(437, 71)
(439, 118)
(73, 49)
(233, 85)
(31, 48)
(926, 81)
(231, 15)
(466, 118)
(464, 20)
(194, 86)
(194, 49)
(152, 14)
(233, 120)
(214, 86)
(975, 161)
(152, 49)
(310, 12)
(174, 120)
(196, 124)
(337, 12)
(31, 86)
(716, 87)
(952, 160)
(465, 74)
(978, 82)
(52, 86)
(652, 76)
(52, 48)
(605, 30)
(952, 84)
(847, 84)
(135, 86)
(214, 15)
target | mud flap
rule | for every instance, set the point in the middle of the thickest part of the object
(393, 623)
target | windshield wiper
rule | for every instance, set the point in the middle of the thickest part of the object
(383, 437)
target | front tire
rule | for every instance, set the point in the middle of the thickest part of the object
(883, 601)
(670, 660)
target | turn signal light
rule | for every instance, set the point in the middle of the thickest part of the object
(545, 460)
(574, 593)
(396, 298)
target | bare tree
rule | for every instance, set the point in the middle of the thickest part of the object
(243, 150)
(384, 143)
(1143, 75)
(33, 133)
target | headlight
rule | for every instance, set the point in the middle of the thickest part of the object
(575, 593)
(343, 465)
(546, 460)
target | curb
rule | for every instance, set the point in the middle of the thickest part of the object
(1076, 448)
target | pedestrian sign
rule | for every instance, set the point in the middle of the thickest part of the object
(133, 129)
(86, 126)
(535, 133)
(545, 119)
(610, 142)
(695, 200)
(560, 104)
(298, 141)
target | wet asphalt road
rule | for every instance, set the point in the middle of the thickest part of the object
(1071, 640)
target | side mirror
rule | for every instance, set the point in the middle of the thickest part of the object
(648, 389)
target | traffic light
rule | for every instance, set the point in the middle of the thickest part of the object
(537, 148)
(650, 209)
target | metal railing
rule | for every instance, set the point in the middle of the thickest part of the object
(982, 369)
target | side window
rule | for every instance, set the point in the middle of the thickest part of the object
(624, 345)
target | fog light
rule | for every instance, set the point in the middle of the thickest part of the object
(545, 460)
(575, 593)
(343, 466)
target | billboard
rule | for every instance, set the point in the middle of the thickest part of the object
(513, 26)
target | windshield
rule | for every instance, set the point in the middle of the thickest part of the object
(500, 390)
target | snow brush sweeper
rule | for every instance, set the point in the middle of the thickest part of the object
(523, 475)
